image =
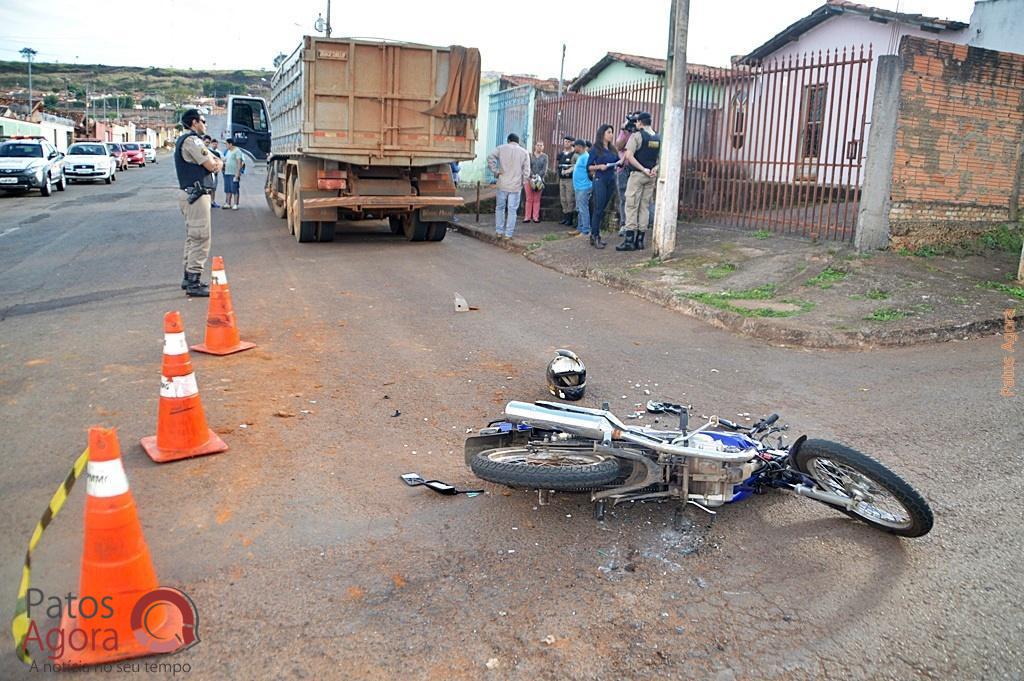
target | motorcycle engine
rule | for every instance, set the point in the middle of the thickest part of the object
(712, 483)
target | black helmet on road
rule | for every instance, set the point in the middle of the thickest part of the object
(567, 377)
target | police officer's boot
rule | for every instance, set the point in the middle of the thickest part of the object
(627, 241)
(640, 240)
(196, 288)
(184, 281)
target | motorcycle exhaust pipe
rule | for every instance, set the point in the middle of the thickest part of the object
(584, 425)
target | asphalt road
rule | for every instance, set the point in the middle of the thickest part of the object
(306, 556)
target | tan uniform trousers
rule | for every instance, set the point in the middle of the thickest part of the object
(197, 231)
(567, 194)
(639, 194)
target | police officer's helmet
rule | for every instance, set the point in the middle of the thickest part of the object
(567, 377)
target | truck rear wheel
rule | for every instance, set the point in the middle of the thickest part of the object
(437, 231)
(292, 208)
(414, 228)
(396, 224)
(325, 231)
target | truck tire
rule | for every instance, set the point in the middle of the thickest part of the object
(437, 231)
(325, 231)
(414, 228)
(305, 231)
(395, 223)
(292, 209)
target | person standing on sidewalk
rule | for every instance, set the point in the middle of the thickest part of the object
(603, 162)
(566, 162)
(535, 187)
(233, 164)
(642, 152)
(195, 166)
(582, 186)
(211, 144)
(510, 164)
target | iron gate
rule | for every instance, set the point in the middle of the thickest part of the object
(779, 146)
(509, 113)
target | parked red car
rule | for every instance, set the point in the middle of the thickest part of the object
(136, 155)
(118, 152)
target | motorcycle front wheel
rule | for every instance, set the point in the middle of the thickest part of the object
(563, 470)
(885, 500)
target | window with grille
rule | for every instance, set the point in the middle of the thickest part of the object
(813, 118)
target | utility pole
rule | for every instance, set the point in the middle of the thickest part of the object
(674, 120)
(328, 31)
(561, 71)
(28, 53)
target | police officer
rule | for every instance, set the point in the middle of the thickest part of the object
(195, 166)
(642, 151)
(566, 164)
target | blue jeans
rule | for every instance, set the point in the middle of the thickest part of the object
(583, 208)
(604, 190)
(505, 207)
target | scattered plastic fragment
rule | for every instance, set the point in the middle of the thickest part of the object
(397, 413)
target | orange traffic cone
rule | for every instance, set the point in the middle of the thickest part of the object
(221, 332)
(181, 429)
(116, 570)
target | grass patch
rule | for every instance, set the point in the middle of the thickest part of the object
(827, 277)
(1005, 238)
(886, 314)
(762, 234)
(551, 237)
(877, 294)
(721, 300)
(720, 270)
(1015, 291)
(533, 245)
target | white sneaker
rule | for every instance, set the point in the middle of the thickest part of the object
(234, 207)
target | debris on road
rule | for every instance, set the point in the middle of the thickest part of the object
(461, 305)
(492, 663)
(281, 413)
(549, 639)
(416, 480)
(397, 413)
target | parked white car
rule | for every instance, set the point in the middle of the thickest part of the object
(89, 161)
(31, 162)
(150, 152)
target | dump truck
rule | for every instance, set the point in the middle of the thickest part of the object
(366, 130)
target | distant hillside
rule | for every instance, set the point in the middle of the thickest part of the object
(166, 84)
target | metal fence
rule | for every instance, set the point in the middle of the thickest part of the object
(777, 146)
(580, 115)
(780, 146)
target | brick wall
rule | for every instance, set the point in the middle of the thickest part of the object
(958, 136)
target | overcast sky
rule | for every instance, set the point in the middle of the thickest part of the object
(225, 34)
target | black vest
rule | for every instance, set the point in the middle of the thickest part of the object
(189, 173)
(564, 160)
(650, 147)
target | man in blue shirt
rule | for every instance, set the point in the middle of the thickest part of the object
(582, 186)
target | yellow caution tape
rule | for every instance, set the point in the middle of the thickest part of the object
(21, 622)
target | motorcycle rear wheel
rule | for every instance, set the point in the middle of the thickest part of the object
(887, 501)
(569, 470)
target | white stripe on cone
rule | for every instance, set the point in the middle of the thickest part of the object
(179, 386)
(105, 479)
(174, 344)
(219, 277)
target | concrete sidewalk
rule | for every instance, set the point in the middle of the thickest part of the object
(792, 291)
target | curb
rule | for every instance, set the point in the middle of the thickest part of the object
(761, 329)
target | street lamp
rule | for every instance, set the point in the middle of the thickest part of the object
(28, 53)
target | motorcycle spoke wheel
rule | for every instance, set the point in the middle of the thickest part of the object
(884, 499)
(567, 469)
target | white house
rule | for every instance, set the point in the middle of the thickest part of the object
(821, 114)
(57, 130)
(997, 25)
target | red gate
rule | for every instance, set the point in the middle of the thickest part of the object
(780, 146)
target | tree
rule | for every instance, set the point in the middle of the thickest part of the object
(150, 103)
(51, 101)
(279, 59)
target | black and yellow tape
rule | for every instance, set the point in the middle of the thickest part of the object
(21, 623)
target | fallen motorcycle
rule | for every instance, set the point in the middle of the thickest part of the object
(550, 446)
